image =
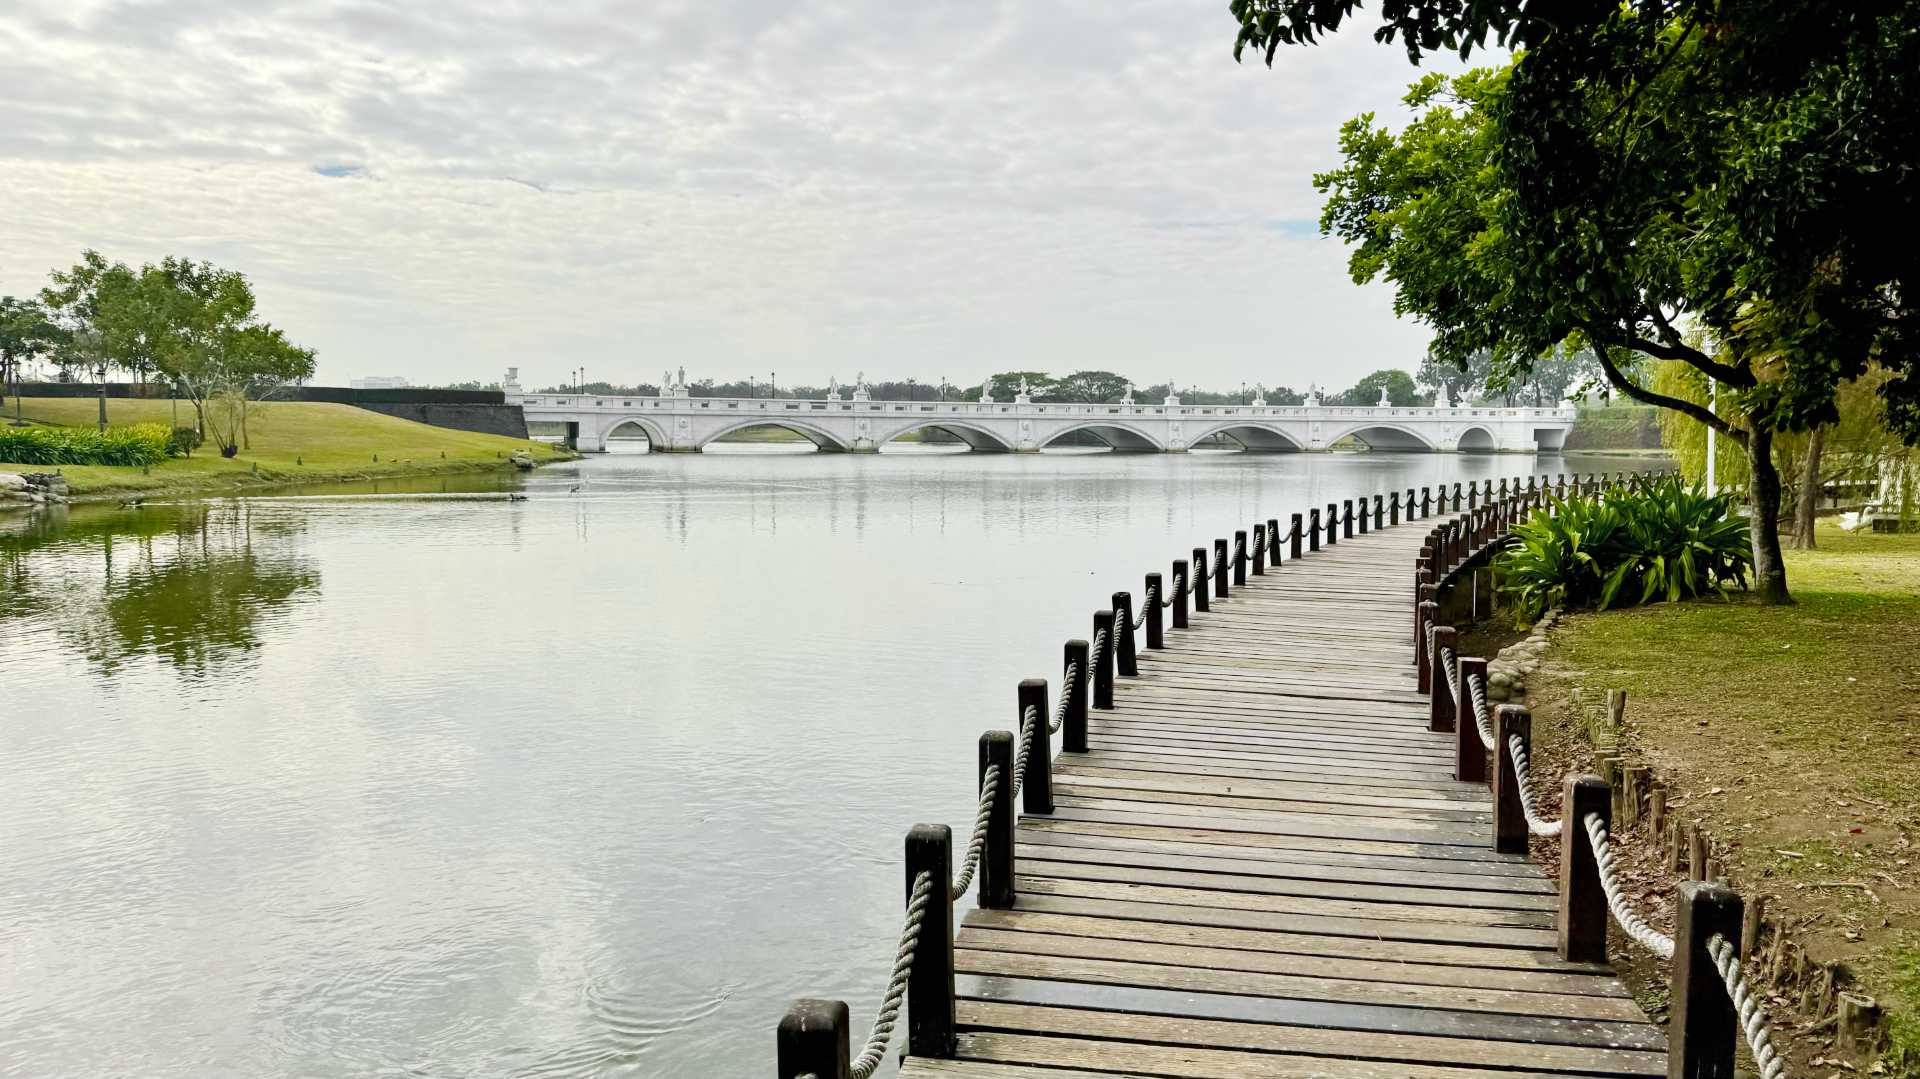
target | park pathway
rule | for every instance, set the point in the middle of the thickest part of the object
(1263, 869)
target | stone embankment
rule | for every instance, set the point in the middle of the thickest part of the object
(39, 487)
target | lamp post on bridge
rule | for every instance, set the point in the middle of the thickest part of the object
(772, 381)
(910, 397)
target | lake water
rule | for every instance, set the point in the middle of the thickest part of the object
(417, 780)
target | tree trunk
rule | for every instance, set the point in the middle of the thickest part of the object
(1763, 493)
(1806, 505)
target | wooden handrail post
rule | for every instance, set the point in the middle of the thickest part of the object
(1073, 729)
(1421, 578)
(1583, 903)
(1440, 715)
(1295, 538)
(1259, 568)
(1036, 790)
(1503, 488)
(1240, 559)
(1704, 1025)
(1379, 512)
(1426, 501)
(1346, 519)
(1126, 660)
(1393, 508)
(1220, 569)
(1364, 519)
(1155, 597)
(1333, 523)
(1313, 534)
(1473, 496)
(1183, 581)
(1509, 819)
(1273, 542)
(1428, 610)
(1469, 753)
(1411, 506)
(996, 862)
(812, 1039)
(1103, 666)
(1456, 496)
(1200, 584)
(930, 1006)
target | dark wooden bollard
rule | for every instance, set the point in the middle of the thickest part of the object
(1473, 496)
(812, 1040)
(1197, 586)
(1428, 611)
(1220, 569)
(1126, 660)
(1393, 508)
(1704, 1024)
(1426, 501)
(1583, 904)
(1103, 663)
(996, 862)
(1036, 790)
(1509, 819)
(1240, 559)
(930, 1008)
(1420, 577)
(1076, 685)
(1411, 508)
(1313, 535)
(1333, 523)
(1379, 512)
(1469, 754)
(1259, 549)
(1182, 581)
(1456, 497)
(1503, 488)
(1346, 519)
(1440, 715)
(1364, 519)
(1273, 541)
(1294, 538)
(1156, 601)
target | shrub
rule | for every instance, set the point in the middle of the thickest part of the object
(1665, 541)
(183, 441)
(138, 444)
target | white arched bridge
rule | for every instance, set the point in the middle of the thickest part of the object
(680, 423)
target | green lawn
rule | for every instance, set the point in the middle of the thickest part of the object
(291, 442)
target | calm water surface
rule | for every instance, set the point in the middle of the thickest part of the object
(421, 781)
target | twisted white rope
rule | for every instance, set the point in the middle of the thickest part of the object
(1179, 582)
(1636, 927)
(1069, 680)
(1447, 662)
(1029, 720)
(1753, 1018)
(1146, 604)
(1523, 786)
(869, 1059)
(977, 843)
(1482, 711)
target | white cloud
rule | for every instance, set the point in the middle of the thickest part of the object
(809, 188)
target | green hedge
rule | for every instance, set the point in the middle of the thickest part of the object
(138, 444)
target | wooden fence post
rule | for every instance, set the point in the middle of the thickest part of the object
(1333, 523)
(1259, 550)
(1440, 715)
(1583, 903)
(1426, 501)
(1182, 582)
(1473, 495)
(1411, 507)
(1156, 601)
(1313, 532)
(1220, 569)
(1469, 753)
(1036, 790)
(1240, 559)
(812, 1040)
(1202, 583)
(1103, 664)
(1704, 1025)
(1428, 610)
(1393, 509)
(1346, 519)
(1305, 533)
(1509, 819)
(1379, 512)
(1126, 660)
(1273, 542)
(1073, 729)
(1365, 515)
(996, 862)
(930, 1007)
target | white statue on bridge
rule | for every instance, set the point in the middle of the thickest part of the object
(1128, 398)
(833, 388)
(1385, 401)
(1443, 399)
(1312, 400)
(1259, 396)
(1024, 395)
(986, 391)
(860, 387)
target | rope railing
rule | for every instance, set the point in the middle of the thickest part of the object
(875, 1051)
(1146, 605)
(977, 841)
(1482, 711)
(1173, 594)
(1629, 919)
(1754, 1025)
(1067, 683)
(1523, 788)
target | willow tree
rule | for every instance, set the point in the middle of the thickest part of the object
(1644, 168)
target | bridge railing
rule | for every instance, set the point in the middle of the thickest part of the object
(814, 1037)
(1714, 1007)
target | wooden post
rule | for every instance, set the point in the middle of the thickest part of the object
(1182, 581)
(996, 862)
(1583, 904)
(1259, 550)
(1364, 519)
(1126, 660)
(930, 1009)
(1240, 559)
(1379, 512)
(1426, 501)
(1220, 569)
(1198, 585)
(1657, 811)
(1273, 541)
(1473, 496)
(812, 1040)
(1704, 1026)
(1346, 519)
(1428, 609)
(1036, 790)
(1393, 509)
(1509, 819)
(1103, 664)
(1696, 852)
(1440, 715)
(1469, 753)
(1073, 729)
(1616, 709)
(1156, 602)
(1313, 535)
(1412, 509)
(1333, 523)
(1750, 924)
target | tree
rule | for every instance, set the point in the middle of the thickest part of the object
(1093, 386)
(1401, 392)
(1007, 383)
(1642, 166)
(27, 333)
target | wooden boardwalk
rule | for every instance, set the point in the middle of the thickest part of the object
(1263, 868)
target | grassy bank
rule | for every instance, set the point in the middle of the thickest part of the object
(1793, 735)
(292, 442)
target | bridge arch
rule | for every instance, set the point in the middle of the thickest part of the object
(656, 438)
(1386, 437)
(977, 438)
(819, 436)
(1255, 437)
(1122, 437)
(1476, 439)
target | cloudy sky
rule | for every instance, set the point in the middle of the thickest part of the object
(737, 186)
